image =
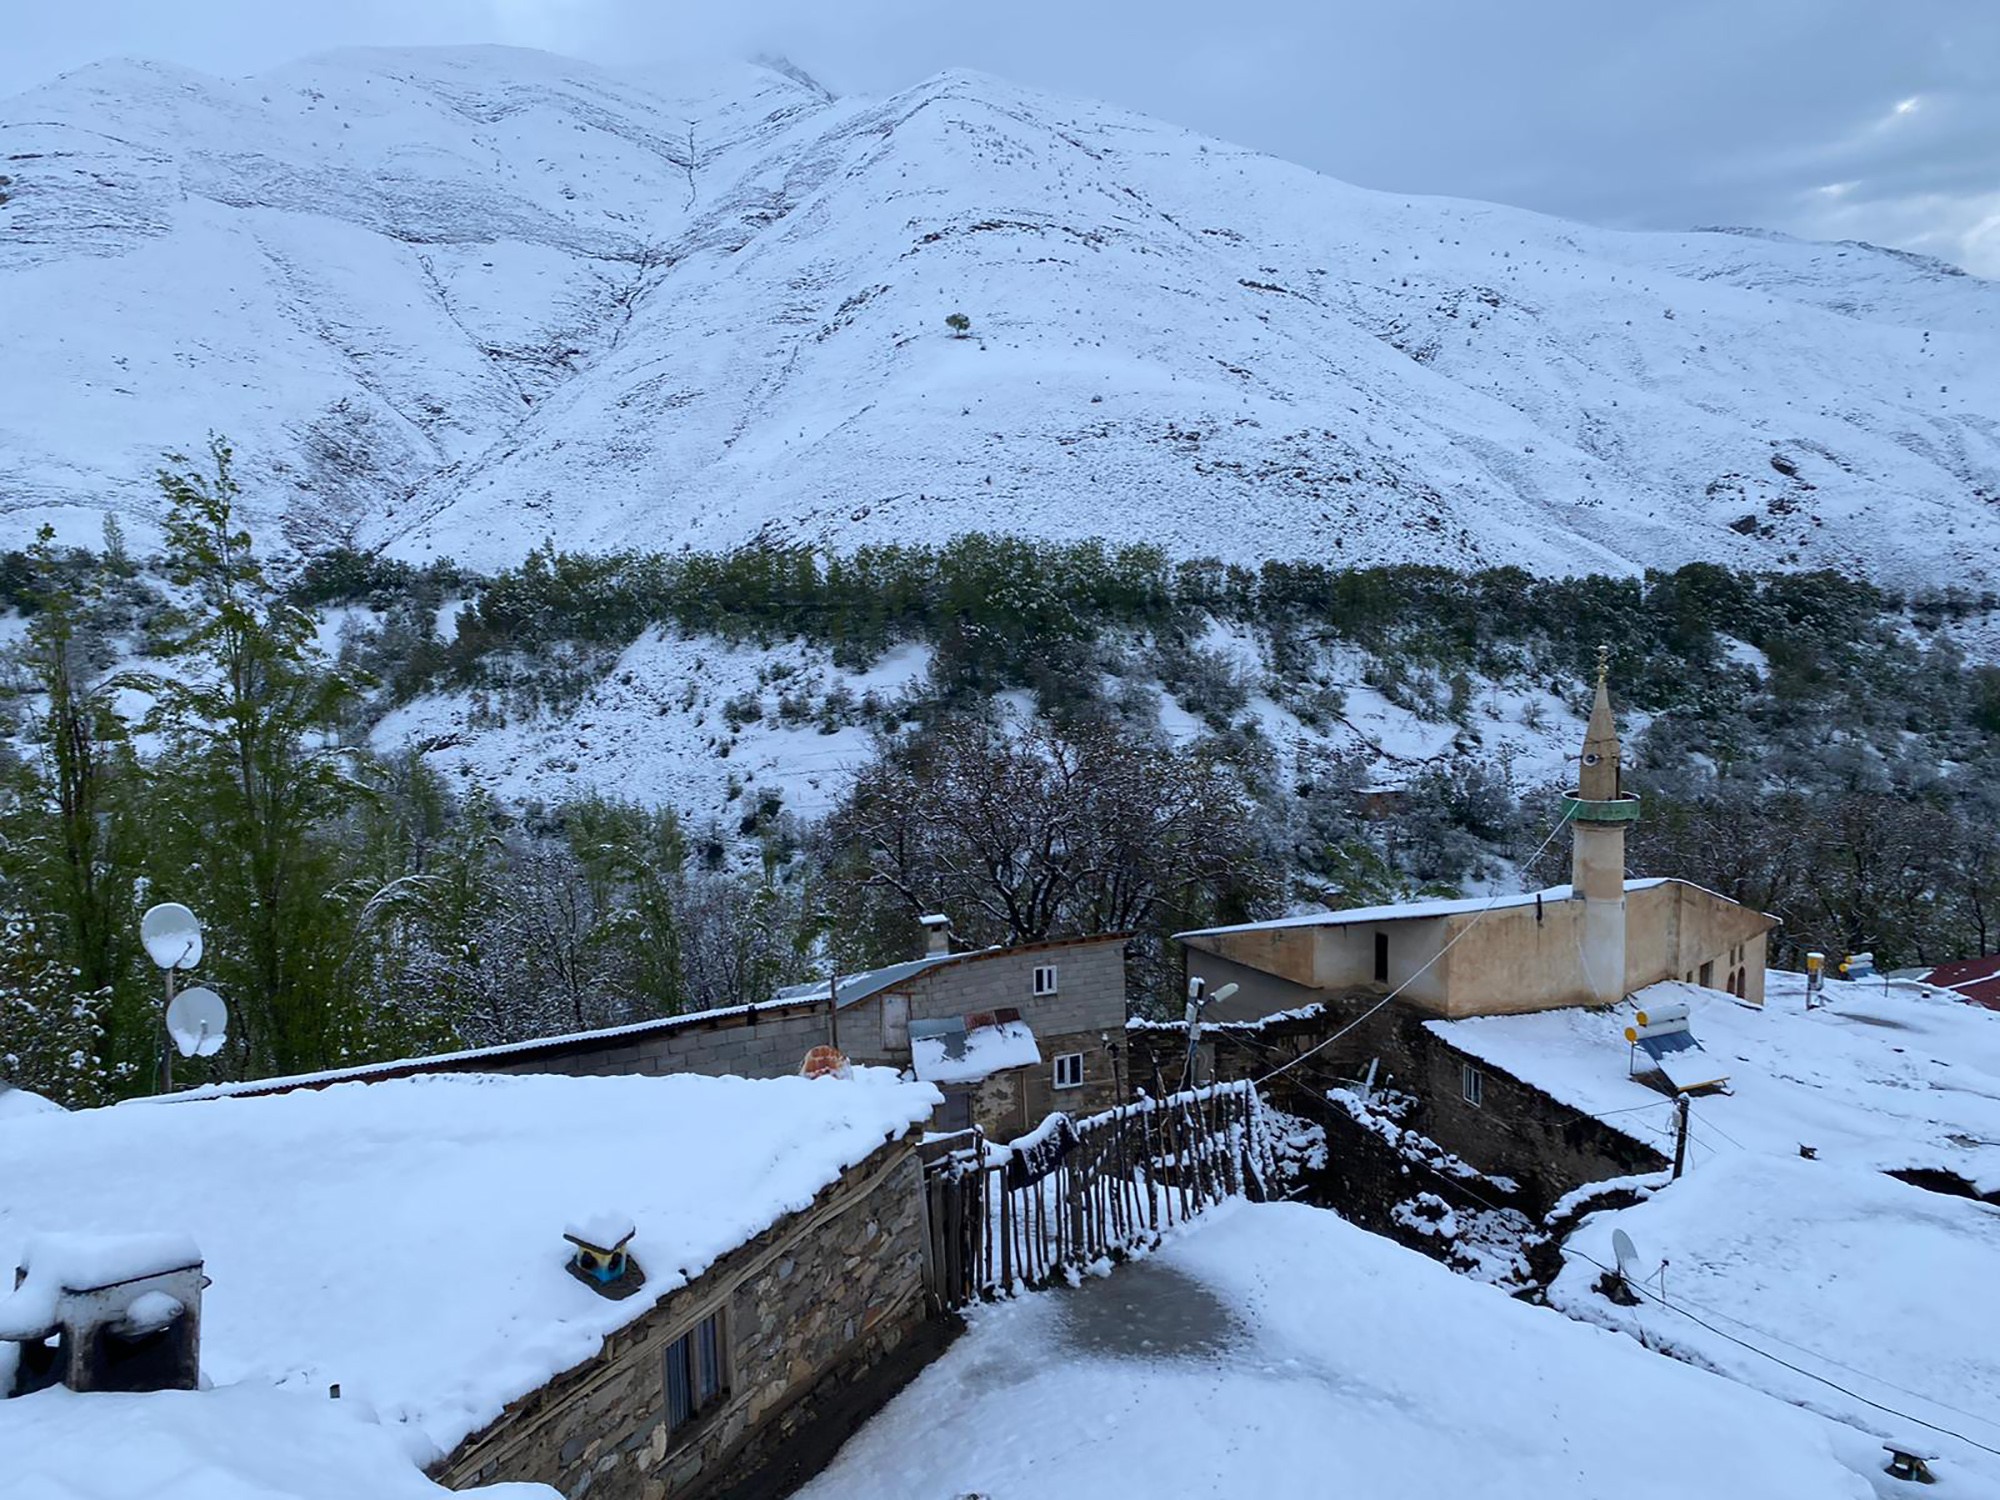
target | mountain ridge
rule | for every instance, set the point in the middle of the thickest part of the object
(455, 302)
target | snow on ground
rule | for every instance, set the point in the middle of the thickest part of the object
(458, 301)
(1827, 1262)
(20, 1104)
(656, 728)
(1277, 1351)
(242, 1442)
(404, 1238)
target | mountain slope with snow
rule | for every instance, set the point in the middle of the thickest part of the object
(454, 302)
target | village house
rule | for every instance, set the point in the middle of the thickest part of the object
(637, 1288)
(1006, 1034)
(1299, 980)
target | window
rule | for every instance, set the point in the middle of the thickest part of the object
(956, 1112)
(1045, 979)
(1708, 975)
(1472, 1084)
(1069, 1071)
(694, 1372)
(1381, 958)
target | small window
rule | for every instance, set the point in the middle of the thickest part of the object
(1472, 1084)
(1381, 958)
(1045, 979)
(1069, 1071)
(694, 1371)
(1708, 975)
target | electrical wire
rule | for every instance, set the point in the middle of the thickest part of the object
(1800, 1369)
(1561, 823)
(1682, 1307)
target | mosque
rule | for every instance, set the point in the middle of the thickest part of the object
(1591, 942)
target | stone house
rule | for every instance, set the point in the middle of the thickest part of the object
(758, 1368)
(403, 1246)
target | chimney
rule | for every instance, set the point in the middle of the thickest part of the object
(105, 1313)
(937, 933)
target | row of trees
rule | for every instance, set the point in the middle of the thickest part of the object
(355, 907)
(358, 907)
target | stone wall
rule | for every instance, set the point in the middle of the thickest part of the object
(1517, 1130)
(826, 1303)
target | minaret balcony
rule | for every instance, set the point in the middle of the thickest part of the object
(1624, 808)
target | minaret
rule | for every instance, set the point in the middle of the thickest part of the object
(1598, 811)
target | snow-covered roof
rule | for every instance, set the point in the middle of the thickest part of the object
(1403, 911)
(1827, 1261)
(19, 1103)
(850, 989)
(240, 1442)
(469, 1059)
(1977, 979)
(968, 1054)
(405, 1238)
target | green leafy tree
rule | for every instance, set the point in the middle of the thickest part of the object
(257, 782)
(51, 1033)
(70, 834)
(959, 324)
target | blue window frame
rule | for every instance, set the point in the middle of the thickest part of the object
(694, 1371)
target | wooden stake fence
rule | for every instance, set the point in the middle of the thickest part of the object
(1076, 1192)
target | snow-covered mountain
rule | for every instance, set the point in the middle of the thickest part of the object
(454, 302)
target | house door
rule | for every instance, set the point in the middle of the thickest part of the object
(896, 1024)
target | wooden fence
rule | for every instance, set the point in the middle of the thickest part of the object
(1075, 1192)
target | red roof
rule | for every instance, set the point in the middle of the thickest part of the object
(1978, 979)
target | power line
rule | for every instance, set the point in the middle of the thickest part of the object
(1424, 969)
(1800, 1369)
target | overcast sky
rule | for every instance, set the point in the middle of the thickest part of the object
(1870, 119)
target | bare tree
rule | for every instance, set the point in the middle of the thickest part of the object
(1044, 832)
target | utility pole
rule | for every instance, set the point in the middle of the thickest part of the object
(1680, 1133)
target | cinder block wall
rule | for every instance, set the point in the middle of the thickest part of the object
(814, 1309)
(771, 1047)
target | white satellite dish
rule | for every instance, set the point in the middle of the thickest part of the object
(1626, 1252)
(172, 936)
(198, 1022)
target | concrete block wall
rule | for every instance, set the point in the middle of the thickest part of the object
(1090, 980)
(811, 1310)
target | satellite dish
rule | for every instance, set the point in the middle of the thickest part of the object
(1626, 1252)
(198, 1022)
(172, 936)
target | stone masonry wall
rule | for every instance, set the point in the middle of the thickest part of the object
(1516, 1131)
(810, 1308)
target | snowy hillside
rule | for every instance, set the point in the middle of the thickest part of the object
(454, 302)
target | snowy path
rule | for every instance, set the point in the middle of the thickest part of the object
(1276, 1351)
